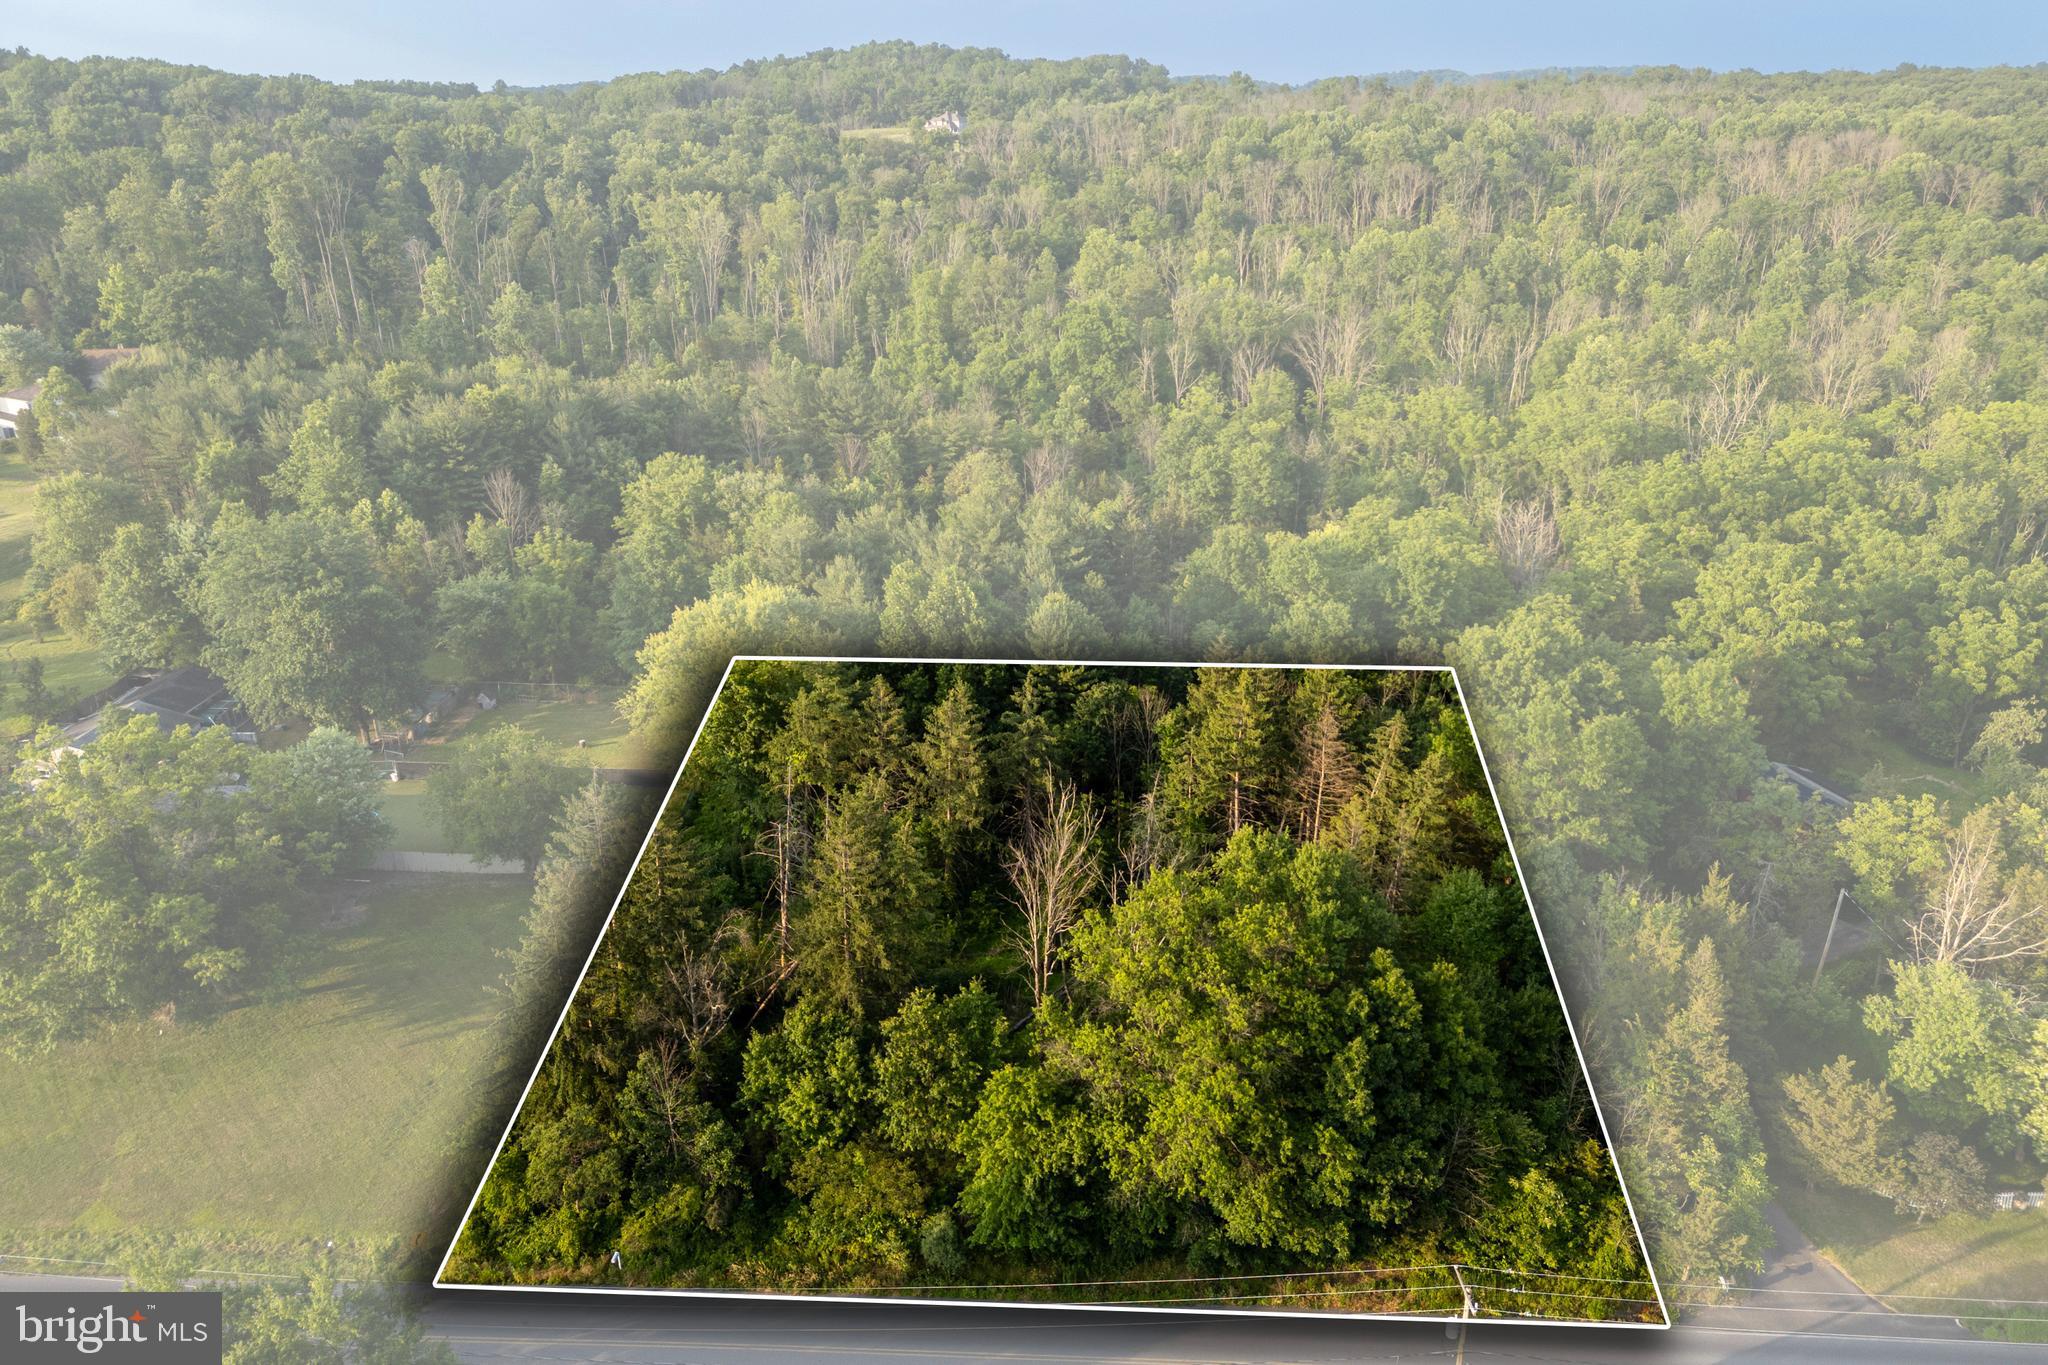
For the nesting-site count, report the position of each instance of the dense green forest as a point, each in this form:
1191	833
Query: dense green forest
1214	985
1701	420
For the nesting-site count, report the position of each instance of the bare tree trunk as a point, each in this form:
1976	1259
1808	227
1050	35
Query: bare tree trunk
1052	868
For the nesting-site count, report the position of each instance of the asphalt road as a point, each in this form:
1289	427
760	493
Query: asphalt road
1801	1310
495	1327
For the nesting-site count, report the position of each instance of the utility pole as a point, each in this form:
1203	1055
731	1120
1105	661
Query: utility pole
1841	895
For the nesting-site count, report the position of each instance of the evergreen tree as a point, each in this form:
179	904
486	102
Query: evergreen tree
36	700
1843	1130
1227	751
839	941
952	775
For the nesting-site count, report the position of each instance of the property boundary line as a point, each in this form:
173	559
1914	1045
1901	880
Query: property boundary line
1642	1245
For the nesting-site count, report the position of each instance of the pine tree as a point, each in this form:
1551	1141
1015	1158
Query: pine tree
1842	1129
1366	823
1697	1147
818	734
838	940
1326	772
35	694
952	775
884	740
581	870
1229	754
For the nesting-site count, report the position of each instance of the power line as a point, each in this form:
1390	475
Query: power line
1931	1298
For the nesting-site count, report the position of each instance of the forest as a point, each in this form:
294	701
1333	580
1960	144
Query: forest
1699	419
1213	986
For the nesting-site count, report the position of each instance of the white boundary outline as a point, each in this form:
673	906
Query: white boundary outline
1642	1244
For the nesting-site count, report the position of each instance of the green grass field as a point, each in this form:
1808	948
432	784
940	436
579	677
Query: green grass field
71	668
340	1108
1996	1256
413	829
593	719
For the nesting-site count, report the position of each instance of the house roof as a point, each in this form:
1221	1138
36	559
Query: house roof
182	689
98	360
183	696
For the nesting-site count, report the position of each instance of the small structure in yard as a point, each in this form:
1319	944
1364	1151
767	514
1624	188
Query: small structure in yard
948	122
432	712
1809	787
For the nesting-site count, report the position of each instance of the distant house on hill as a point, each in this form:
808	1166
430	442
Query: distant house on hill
190	697
948	122
15	403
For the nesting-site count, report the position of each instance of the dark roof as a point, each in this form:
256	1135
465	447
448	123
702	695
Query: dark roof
183	696
188	690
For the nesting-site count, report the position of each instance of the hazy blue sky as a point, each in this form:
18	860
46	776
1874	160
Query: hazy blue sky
534	42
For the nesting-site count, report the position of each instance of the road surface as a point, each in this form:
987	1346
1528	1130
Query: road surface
505	1329
1802	1310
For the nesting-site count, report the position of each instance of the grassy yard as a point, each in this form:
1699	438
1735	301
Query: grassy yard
592	717
71	668
413	830
1863	738
339	1108
1996	1256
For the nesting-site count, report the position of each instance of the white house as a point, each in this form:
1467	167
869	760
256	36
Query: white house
15	402
948	122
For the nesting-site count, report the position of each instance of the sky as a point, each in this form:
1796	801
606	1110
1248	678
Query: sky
531	42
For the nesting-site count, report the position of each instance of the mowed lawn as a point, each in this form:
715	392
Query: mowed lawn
342	1108
71	667
591	717
1995	1256
413	827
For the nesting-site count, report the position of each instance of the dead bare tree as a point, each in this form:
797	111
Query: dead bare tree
1144	846
512	505
1974	916
670	1094
1052	871
1729	408
784	844
1525	535
1329	772
1330	346
696	1006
